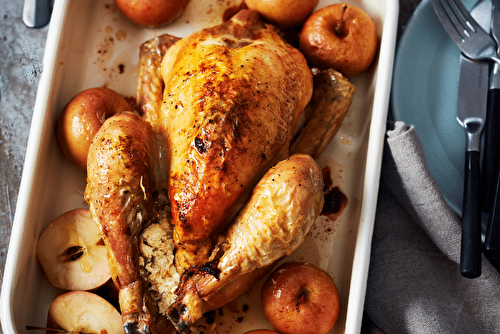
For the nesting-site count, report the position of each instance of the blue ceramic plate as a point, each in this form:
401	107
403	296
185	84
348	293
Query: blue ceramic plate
424	94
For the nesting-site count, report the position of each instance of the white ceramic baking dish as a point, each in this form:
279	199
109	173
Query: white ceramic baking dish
90	44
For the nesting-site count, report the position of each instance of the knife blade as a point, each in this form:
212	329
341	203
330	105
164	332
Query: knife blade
491	164
471	114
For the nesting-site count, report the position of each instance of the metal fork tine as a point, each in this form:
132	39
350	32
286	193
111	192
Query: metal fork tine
471	22
449	21
471	39
457	17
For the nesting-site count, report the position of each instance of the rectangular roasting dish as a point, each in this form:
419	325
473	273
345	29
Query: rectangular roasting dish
89	45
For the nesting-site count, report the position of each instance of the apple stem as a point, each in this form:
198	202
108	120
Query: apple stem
339	29
301	299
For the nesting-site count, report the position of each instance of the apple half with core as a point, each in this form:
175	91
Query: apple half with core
84	312
72	253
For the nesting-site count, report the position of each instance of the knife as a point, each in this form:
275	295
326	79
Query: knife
36	13
491	133
471	114
491	175
470	262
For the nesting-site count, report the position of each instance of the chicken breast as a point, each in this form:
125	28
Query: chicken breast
233	94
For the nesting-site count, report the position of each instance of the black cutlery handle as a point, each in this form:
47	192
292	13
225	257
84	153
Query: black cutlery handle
492	240
470	256
491	146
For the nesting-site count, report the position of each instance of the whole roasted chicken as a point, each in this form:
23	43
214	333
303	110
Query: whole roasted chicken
211	165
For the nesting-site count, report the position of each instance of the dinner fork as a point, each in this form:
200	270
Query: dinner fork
475	44
470	38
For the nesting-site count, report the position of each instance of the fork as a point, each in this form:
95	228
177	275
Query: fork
470	38
475	44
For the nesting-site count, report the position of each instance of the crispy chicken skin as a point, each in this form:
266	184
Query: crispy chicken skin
233	94
292	195
119	192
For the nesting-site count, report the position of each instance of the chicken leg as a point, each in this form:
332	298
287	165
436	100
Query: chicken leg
119	191
284	205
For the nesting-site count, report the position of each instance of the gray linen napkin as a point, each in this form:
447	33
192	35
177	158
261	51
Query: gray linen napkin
414	282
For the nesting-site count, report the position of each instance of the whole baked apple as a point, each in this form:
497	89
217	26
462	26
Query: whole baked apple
152	13
300	298
82	117
283	13
340	36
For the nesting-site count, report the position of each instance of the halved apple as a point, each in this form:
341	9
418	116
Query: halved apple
72	252
84	312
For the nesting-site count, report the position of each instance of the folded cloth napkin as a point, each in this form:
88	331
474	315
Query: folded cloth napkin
414	282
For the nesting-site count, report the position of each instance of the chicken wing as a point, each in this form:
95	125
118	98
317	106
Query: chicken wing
150	83
332	97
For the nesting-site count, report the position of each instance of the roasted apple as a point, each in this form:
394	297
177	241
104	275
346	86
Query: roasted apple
340	36
84	312
283	13
151	13
72	252
300	298
82	117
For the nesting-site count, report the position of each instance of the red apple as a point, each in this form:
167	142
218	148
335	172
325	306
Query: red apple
283	13
82	117
300	298
151	13
340	36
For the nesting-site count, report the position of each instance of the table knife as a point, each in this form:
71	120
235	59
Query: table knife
36	13
491	164
471	114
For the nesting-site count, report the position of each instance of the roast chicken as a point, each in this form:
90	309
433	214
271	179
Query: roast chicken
210	163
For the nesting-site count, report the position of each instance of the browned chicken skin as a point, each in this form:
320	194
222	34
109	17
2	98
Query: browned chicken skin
219	109
119	191
232	96
284	205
